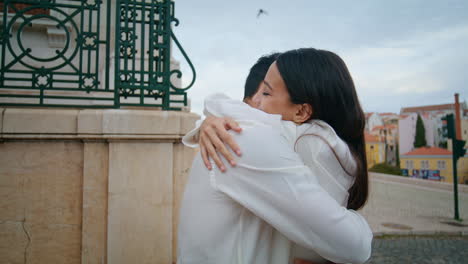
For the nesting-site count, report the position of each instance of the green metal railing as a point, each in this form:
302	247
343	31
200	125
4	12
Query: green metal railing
77	72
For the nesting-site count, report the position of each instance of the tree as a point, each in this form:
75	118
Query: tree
397	156
420	138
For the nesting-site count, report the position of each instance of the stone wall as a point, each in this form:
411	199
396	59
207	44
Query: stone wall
91	186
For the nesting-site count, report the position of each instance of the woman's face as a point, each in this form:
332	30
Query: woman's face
273	97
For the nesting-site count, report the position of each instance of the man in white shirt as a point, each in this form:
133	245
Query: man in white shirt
231	217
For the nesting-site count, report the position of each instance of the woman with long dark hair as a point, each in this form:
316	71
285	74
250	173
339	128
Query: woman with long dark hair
321	79
309	105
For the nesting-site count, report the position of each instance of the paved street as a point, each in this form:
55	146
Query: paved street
395	207
435	249
397	210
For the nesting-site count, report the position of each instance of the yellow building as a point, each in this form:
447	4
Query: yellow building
375	150
463	169
430	160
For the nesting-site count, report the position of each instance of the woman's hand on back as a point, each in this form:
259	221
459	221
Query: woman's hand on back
214	138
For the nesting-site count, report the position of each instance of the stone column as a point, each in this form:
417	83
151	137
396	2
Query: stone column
95	197
91	186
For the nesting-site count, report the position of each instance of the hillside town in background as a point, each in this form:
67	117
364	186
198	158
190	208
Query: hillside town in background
396	144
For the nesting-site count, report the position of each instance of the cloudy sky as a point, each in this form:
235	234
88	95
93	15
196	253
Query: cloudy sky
400	52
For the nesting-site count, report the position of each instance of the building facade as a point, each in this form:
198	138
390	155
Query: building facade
373	120
388	133
407	131
433	163
375	150
432	118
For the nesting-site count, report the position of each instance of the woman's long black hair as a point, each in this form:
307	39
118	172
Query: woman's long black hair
321	79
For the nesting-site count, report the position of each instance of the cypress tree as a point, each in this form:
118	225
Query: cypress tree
420	138
398	155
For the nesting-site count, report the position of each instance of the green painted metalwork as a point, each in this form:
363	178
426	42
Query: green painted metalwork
77	72
143	70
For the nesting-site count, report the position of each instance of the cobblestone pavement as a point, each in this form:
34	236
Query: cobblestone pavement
420	249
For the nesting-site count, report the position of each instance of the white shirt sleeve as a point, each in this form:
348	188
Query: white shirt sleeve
220	105
272	182
214	106
191	138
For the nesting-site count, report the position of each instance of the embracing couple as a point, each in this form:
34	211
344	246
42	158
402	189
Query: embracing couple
297	169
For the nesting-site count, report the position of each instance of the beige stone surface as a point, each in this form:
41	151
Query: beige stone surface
12	202
121	121
53	186
41	184
18	120
90	121
187	122
183	157
103	122
54	243
95	187
91	186
1	120
42	179
140	203
147	122
13	242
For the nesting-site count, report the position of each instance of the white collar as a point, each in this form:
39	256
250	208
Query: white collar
220	105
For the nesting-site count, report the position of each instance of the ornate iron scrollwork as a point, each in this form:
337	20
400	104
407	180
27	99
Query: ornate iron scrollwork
72	53
146	60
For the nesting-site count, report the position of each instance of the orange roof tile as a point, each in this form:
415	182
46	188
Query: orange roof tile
386	114
427	108
427	151
386	127
371	138
378	128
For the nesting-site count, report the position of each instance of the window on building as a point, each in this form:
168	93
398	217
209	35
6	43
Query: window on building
424	165
409	165
441	164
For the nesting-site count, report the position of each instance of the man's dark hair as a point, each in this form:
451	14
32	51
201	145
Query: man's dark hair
257	74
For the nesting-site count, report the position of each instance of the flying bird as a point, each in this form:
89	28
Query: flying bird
260	12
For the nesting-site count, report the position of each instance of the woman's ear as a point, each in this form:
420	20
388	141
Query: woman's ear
303	113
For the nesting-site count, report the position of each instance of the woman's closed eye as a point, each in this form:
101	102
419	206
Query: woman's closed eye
266	88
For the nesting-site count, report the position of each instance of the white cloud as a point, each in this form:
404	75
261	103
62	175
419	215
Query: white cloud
217	76
398	52
413	66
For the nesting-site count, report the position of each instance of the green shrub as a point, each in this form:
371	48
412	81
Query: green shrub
386	168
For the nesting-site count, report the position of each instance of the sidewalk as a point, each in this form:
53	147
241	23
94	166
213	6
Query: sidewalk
405	206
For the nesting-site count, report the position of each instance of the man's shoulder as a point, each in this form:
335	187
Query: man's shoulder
221	105
263	145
